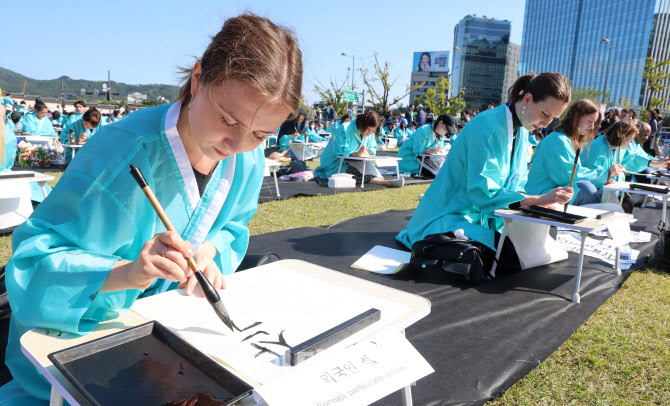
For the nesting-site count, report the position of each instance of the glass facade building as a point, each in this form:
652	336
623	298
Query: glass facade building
566	36
480	59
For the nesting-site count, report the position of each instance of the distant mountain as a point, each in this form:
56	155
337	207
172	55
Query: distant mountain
13	82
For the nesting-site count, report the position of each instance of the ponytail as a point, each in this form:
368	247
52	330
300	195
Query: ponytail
541	86
517	90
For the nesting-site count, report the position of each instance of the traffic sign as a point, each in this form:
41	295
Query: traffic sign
350	97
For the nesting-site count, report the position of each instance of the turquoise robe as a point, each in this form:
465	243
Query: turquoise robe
33	126
401	134
60	121
532	140
313	136
77	127
599	155
475	180
333	127
552	167
10	150
422	139
635	159
7	102
98	215
372	143
344	142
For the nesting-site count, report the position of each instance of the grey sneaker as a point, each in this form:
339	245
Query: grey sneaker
400	182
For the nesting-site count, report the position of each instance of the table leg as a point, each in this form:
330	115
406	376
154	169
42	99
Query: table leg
407	390
56	398
339	169
644	202
421	167
617	264
73	151
665	205
274	173
575	295
44	189
397	170
363	177
500	245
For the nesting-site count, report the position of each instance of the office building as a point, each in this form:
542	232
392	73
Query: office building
481	66
590	41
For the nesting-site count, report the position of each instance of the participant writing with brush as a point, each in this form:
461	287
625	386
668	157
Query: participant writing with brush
96	244
554	158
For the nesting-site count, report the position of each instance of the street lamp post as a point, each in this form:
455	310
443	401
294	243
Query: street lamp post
607	69
352	68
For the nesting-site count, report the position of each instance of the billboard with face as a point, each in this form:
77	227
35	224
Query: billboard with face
431	61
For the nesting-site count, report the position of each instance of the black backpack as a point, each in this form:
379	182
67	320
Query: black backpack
443	253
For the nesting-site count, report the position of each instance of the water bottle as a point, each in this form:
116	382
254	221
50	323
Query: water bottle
624	257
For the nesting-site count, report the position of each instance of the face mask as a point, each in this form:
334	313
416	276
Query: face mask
442	131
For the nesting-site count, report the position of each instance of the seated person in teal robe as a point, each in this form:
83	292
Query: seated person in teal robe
486	170
37	122
554	157
96	245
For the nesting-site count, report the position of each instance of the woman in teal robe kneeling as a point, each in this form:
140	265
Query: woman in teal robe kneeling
96	245
486	169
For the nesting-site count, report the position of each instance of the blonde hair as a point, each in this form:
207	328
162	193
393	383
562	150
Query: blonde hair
256	51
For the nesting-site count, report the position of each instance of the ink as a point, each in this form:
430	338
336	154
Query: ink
281	341
246	328
263	350
258	332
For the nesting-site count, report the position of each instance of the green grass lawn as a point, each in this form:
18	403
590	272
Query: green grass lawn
620	356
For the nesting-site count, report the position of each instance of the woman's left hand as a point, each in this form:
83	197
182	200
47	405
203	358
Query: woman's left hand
204	257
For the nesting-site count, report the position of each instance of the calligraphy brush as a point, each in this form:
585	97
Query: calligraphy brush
572	178
210	293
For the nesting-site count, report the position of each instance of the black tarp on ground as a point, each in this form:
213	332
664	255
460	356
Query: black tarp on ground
480	340
288	189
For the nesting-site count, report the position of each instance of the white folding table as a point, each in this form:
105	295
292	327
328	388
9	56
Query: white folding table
378	160
38	343
584	227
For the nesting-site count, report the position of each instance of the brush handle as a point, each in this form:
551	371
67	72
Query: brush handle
207	288
572	178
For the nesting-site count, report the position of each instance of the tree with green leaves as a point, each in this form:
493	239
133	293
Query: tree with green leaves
657	77
437	100
334	94
380	73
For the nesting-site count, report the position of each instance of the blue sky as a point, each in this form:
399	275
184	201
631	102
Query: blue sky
144	41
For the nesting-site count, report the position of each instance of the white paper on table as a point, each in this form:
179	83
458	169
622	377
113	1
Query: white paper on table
619	230
533	244
382	260
298	312
604	250
357	375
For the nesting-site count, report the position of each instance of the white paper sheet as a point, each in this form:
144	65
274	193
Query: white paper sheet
382	260
604	250
357	375
619	230
294	305
534	246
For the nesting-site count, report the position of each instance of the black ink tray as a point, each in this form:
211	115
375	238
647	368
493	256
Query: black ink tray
146	365
539	211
